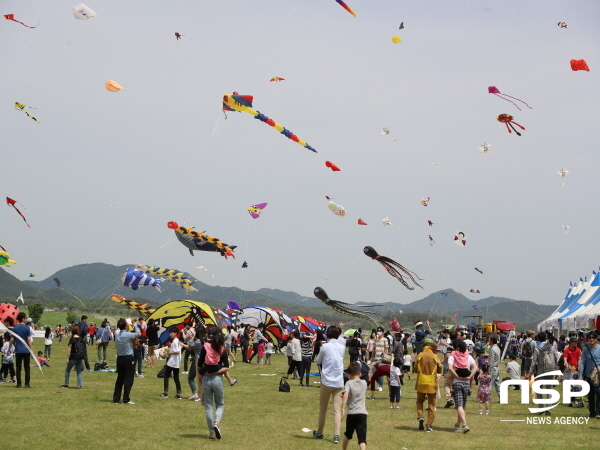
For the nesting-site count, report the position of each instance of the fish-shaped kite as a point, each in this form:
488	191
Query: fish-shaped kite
256	210
346	7
112	86
21	107
562	24
460	238
236	102
136	276
12	17
82	12
198	241
142	308
11	202
277	79
478	270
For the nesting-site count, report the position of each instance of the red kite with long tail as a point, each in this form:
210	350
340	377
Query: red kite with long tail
11	202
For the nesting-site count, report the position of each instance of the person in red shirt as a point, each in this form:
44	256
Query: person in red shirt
571	355
91	331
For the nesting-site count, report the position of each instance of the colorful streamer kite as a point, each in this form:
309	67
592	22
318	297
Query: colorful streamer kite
141	308
174	275
12	17
243	103
342	307
346	7
11	202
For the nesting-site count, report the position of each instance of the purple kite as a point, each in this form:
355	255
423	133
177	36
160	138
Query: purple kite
494	90
256	210
233	305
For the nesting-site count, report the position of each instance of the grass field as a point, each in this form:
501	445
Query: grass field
256	416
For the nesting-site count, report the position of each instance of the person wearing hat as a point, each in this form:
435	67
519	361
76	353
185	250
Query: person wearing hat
258	336
428	367
571	356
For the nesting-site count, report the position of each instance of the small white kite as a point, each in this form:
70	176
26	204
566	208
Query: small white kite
387	221
82	12
386	131
484	148
563	173
460	238
566	228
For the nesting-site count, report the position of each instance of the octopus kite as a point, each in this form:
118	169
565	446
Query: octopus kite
507	120
390	265
342	307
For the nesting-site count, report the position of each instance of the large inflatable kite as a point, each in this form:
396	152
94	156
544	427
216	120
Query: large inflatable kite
236	102
5	259
198	241
343	308
392	267
136	276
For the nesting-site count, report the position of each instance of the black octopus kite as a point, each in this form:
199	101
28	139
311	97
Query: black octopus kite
342	307
390	265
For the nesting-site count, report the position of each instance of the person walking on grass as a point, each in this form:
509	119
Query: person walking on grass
83	332
395	383
22	355
494	362
461	382
102	339
173	363
258	336
8	360
48	342
354	399
306	343
484	393
331	359
295	348
427	369
212	380
74	357
125	362
590	359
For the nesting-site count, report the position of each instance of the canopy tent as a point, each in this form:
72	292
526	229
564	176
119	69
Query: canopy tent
580	307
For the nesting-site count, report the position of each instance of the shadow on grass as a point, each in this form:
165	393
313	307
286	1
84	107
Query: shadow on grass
416	428
193	436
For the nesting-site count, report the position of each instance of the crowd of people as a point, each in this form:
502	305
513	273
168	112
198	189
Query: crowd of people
447	364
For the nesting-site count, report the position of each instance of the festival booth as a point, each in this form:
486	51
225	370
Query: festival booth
579	310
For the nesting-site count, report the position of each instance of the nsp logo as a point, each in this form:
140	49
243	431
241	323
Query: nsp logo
538	388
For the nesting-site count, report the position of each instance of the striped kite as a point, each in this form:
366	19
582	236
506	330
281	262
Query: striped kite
174	275
198	241
346	7
143	309
21	107
239	103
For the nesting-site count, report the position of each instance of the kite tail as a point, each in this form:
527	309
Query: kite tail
518	100
515	130
389	266
70	293
509	100
287	133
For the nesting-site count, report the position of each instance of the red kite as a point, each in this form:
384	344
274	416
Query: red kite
579	64
362	222
12	17
332	166
11	202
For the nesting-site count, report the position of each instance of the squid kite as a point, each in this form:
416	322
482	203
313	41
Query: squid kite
346	7
21	107
343	308
425	201
11	202
338	210
256	210
507	120
198	241
141	308
484	148
332	166
12	17
82	12
5	259
361	222
460	238
494	90
243	103
579	64
390	265
563	173
277	79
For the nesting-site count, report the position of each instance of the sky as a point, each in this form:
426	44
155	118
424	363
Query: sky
161	149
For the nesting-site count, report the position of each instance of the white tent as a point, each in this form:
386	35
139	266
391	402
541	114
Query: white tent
580	307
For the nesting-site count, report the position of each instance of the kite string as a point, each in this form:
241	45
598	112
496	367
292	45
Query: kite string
442	280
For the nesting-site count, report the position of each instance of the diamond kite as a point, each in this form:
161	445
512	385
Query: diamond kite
494	90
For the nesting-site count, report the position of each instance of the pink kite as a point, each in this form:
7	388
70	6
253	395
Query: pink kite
494	90
12	17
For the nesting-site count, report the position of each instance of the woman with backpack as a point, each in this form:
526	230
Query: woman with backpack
75	356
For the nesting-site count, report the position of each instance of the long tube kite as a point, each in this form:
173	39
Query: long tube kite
11	202
342	307
141	308
239	103
346	7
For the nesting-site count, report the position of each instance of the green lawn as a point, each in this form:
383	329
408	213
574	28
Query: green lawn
256	416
